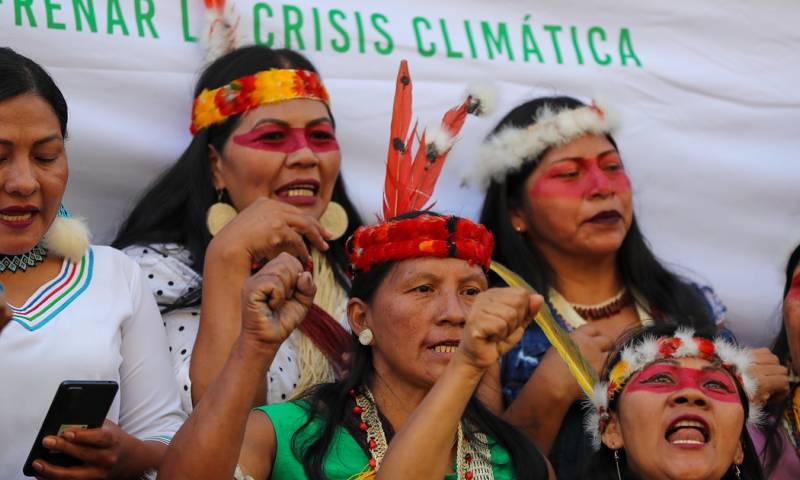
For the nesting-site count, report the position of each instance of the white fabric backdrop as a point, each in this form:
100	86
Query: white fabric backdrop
708	90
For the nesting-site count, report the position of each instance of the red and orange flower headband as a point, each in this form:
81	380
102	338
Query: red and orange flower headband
246	93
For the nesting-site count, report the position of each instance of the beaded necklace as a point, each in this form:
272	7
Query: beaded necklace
473	462
13	263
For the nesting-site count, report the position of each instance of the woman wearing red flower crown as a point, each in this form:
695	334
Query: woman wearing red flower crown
427	330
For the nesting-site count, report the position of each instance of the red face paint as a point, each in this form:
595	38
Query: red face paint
276	138
665	379
581	177
794	289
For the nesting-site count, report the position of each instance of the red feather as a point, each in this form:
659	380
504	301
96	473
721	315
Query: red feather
425	171
218	4
399	157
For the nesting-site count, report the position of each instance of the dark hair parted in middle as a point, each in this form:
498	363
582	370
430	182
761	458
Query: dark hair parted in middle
329	402
669	296
173	209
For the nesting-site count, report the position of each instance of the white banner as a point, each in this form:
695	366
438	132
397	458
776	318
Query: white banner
708	90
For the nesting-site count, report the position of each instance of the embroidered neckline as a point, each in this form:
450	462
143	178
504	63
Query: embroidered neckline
54	296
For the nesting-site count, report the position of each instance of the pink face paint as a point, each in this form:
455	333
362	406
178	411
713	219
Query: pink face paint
664	378
578	178
794	289
276	138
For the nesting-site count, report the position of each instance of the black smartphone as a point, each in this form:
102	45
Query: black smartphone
77	404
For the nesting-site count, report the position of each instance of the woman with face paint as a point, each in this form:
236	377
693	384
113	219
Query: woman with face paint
264	158
76	311
778	440
673	404
560	205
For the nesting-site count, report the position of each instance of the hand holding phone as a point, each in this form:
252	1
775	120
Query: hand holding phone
75	435
101	451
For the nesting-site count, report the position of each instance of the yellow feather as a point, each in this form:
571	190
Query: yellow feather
559	338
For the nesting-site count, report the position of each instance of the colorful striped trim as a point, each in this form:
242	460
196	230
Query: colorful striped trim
55	297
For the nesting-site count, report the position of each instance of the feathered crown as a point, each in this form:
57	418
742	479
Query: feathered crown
410	179
639	354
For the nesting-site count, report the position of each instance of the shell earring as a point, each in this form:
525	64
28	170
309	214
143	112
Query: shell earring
219	215
365	337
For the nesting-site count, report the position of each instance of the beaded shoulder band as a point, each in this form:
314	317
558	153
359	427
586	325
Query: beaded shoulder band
426	235
511	148
638	355
248	92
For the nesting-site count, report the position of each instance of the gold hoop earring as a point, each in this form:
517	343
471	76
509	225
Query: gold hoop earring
219	214
335	220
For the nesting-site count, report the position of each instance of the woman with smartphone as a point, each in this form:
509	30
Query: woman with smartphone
78	311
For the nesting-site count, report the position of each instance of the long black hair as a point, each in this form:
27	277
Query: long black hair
602	466
328	402
669	296
774	443
19	75
173	209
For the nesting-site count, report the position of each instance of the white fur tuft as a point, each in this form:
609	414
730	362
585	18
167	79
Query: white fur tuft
222	33
485	96
509	149
438	139
598	407
68	238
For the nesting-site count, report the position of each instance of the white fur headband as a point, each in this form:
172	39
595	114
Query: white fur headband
635	357
509	149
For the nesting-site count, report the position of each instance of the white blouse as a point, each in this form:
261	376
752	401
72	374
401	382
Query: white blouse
167	269
96	320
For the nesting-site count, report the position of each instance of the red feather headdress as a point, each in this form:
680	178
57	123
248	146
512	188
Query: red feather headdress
410	180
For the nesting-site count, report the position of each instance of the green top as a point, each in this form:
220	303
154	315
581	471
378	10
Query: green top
345	458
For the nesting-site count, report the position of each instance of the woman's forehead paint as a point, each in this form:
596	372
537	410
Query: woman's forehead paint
289	140
589	176
673	378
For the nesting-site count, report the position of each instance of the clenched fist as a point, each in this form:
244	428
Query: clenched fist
275	300
496	322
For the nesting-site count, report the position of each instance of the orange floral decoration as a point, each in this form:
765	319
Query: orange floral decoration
246	93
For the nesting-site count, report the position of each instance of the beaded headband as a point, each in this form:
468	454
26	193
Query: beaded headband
426	235
636	356
248	92
511	148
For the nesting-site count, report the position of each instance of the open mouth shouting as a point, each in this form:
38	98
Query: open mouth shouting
688	431
300	192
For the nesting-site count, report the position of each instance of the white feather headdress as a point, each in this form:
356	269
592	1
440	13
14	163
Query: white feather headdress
511	148
636	356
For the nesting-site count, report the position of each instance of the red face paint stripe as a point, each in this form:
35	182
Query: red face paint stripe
794	289
666	379
580	177
274	138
